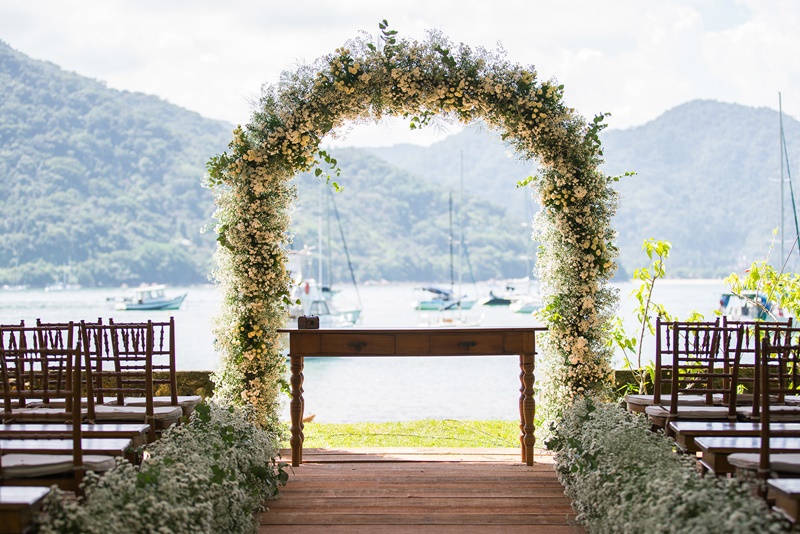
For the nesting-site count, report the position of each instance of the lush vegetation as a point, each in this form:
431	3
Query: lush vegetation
210	475
397	227
622	477
707	179
425	433
100	186
103	187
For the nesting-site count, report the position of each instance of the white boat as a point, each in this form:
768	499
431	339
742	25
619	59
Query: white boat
319	301
754	306
150	298
315	297
528	304
443	300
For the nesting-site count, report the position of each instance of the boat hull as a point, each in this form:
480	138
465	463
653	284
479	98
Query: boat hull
166	304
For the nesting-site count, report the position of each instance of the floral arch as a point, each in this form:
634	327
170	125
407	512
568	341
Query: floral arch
365	81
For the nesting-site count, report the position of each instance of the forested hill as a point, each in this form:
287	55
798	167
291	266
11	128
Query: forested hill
104	183
106	186
708	180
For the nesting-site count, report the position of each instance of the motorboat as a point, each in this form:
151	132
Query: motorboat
150	298
750	306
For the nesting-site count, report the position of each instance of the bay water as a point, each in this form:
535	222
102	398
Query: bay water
366	389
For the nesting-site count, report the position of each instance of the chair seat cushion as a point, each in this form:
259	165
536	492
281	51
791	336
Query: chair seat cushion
784	462
38	465
690	412
186	402
27	415
136	413
780	412
683	400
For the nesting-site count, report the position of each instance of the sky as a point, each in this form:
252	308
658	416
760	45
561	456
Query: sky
634	59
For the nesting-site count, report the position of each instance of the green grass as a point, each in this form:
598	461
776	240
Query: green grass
424	433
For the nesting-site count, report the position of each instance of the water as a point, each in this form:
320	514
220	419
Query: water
365	389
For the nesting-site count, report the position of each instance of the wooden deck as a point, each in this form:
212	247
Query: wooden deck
421	490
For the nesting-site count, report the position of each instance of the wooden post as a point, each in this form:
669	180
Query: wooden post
296	409
527	402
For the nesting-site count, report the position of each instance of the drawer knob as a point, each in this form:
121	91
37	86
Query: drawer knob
466	345
357	345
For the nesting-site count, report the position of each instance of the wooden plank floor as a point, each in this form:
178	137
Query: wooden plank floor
421	490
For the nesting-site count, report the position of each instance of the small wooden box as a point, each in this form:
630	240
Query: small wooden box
308	322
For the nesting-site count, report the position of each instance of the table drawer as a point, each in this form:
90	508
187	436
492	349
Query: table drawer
478	343
346	344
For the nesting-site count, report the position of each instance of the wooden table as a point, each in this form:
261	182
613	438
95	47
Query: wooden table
377	342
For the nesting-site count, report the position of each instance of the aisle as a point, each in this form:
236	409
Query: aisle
421	490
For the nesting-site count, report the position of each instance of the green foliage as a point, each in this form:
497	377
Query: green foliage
622	477
102	187
646	310
210	475
779	287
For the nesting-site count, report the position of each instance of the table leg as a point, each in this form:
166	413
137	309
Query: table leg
296	409
527	404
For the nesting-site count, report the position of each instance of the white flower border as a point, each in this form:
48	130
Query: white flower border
364	82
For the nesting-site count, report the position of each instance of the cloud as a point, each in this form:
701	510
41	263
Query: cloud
631	58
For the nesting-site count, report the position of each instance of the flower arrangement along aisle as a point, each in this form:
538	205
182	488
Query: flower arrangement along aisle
365	81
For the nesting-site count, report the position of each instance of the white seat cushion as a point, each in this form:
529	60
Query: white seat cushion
37	465
136	413
779	412
683	400
690	412
187	402
784	462
41	414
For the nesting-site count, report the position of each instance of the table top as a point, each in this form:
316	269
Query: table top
414	330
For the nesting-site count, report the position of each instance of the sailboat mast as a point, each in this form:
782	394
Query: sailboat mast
460	225
780	139
452	277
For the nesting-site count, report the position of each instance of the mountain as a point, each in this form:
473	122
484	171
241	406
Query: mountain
105	186
708	180
104	183
397	226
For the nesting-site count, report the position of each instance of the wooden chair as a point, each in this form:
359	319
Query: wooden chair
705	362
663	369
782	386
119	359
779	374
165	371
37	375
57	372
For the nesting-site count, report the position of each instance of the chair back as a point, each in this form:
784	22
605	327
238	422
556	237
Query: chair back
779	359
38	363
705	362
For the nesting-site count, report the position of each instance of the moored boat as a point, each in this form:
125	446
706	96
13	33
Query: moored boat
150	298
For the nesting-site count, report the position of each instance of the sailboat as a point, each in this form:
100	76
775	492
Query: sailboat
453	302
316	297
